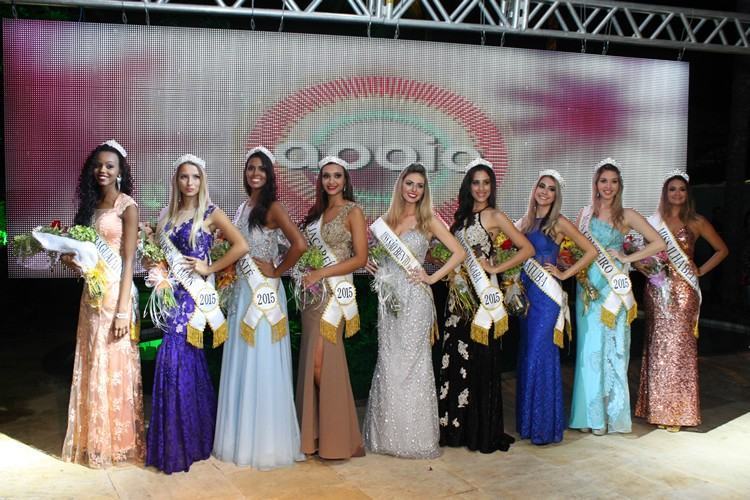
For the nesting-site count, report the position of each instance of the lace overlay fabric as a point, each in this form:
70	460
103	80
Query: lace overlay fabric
105	413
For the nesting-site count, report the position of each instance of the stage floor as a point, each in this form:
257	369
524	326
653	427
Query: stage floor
711	461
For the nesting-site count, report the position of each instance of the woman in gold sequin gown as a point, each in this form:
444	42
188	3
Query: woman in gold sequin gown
668	394
105	414
325	404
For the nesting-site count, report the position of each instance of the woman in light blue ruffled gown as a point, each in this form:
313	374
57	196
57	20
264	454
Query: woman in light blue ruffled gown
601	401
540	413
256	423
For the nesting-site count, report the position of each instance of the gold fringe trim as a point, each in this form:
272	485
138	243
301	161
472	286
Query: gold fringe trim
632	313
479	334
221	335
434	332
135	331
328	331
559	338
248	333
279	330
352	326
194	336
608	318
569	329
501	326
695	330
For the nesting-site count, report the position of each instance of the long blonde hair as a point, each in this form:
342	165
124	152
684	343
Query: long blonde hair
175	196
550	220
424	205
687	212
618	212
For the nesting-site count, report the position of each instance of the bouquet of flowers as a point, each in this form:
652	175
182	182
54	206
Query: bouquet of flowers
515	295
569	254
77	240
655	268
226	277
382	282
153	259
311	260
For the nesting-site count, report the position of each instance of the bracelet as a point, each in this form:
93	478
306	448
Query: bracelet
121	315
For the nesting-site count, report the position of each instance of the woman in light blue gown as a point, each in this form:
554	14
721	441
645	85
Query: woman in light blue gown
256	423
601	401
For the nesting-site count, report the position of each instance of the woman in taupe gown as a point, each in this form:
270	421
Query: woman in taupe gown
325	404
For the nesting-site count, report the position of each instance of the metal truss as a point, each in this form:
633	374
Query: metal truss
604	21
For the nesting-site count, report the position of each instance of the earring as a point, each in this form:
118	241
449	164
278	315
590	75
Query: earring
598	194
119	181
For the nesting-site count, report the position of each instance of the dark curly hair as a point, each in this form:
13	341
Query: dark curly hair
89	192
259	213
466	200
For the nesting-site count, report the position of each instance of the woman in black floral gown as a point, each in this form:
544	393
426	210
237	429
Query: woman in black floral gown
469	396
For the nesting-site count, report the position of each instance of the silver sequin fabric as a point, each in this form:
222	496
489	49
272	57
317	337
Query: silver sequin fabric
401	418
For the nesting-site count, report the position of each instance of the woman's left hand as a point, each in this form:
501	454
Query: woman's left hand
619	255
121	327
197	265
266	267
554	271
419	275
312	277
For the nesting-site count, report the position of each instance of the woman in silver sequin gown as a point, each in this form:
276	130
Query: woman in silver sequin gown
401	417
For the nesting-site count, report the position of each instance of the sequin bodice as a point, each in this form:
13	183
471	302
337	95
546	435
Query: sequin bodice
263	242
686	240
336	234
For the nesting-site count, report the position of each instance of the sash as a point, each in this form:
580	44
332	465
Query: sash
491	309
343	301
265	298
400	253
203	293
621	289
679	261
552	289
113	263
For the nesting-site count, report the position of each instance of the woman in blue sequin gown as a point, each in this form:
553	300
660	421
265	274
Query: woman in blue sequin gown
601	400
181	429
540	412
256	422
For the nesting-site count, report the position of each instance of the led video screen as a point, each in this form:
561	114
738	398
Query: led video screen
378	103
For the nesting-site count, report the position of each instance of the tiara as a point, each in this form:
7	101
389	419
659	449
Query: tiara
607	161
261	150
551	172
188	158
333	159
476	162
677	173
115	145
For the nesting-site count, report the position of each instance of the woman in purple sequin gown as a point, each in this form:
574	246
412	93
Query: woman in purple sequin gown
183	415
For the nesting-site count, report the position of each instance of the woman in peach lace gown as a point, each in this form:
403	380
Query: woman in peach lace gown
105	414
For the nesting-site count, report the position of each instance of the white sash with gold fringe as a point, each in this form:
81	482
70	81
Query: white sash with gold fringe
203	293
343	302
552	289
401	254
621	289
679	261
491	309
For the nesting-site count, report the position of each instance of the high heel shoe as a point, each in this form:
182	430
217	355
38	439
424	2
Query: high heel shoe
673	428
599	432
